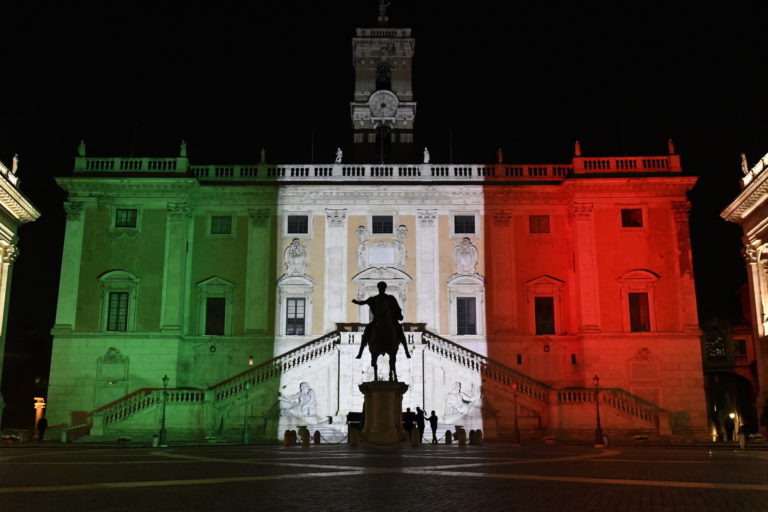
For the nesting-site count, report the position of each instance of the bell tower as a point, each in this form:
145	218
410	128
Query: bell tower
383	110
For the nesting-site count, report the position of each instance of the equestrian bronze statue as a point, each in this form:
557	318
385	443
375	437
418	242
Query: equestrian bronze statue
383	334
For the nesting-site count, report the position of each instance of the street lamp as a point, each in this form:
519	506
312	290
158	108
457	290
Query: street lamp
516	432
163	441
245	415
599	429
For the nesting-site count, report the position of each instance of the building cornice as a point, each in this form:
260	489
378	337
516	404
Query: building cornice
16	204
753	195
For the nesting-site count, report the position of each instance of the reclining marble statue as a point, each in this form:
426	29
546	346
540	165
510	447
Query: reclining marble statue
383	334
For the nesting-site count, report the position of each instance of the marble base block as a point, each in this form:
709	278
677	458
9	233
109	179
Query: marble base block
383	412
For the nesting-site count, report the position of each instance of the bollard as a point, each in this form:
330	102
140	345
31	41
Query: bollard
291	438
415	437
479	436
316	437
461	435
448	437
472	437
305	437
353	436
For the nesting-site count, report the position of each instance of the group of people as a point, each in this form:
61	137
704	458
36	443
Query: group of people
411	418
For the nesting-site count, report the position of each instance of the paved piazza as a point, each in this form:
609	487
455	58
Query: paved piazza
429	478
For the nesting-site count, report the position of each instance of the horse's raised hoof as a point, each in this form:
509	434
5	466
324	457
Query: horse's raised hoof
359	356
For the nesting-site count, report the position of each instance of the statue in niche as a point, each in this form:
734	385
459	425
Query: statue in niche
457	402
362	251
465	257
303	403
296	258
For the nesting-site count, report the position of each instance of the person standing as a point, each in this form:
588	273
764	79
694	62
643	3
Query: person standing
408	418
433	426
420	423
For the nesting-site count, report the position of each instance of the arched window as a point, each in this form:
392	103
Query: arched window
383	76
118	301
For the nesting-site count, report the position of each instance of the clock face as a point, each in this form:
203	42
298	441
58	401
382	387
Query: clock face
383	104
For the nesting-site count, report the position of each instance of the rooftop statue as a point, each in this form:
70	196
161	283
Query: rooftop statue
384	334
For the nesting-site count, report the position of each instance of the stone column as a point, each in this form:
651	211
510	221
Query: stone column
9	255
174	267
427	257
258	280
335	271
689	319
70	268
585	257
756	279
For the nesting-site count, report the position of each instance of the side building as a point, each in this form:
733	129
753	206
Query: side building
15	210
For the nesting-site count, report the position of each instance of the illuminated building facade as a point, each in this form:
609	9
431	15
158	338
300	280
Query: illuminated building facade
519	284
750	211
15	210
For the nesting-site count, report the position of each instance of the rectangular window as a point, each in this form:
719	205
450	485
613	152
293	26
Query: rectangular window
298	224
464	224
117	312
359	138
466	321
126	217
294	317
382	224
371	138
716	348
740	349
639	314
544	311
631	217
538	223
215	311
221	225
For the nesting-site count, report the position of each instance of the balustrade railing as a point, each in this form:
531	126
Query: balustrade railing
487	367
275	367
615	398
144	398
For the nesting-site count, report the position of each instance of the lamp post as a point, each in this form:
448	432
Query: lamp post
163	440
516	432
245	415
599	428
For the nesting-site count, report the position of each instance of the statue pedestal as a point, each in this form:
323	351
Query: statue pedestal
383	412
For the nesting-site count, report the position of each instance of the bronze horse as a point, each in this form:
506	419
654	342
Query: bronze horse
383	334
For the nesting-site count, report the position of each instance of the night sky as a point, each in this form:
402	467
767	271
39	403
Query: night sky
530	77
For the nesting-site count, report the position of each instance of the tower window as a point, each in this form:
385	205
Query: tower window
740	349
126	217
538	224
381	224
215	315
466	320
544	313
639	314
631	217
294	317
117	314
383	76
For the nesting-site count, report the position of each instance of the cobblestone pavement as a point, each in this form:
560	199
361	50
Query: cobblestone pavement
434	478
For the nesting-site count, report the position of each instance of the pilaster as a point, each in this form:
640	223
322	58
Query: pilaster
174	267
71	257
258	262
335	270
585	259
686	290
427	285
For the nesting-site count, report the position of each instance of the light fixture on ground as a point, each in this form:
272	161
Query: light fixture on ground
599	428
163	441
